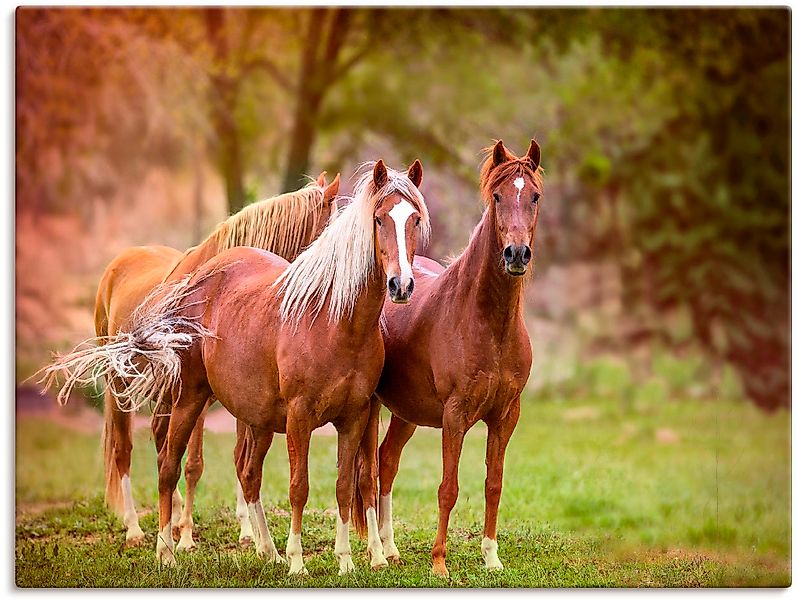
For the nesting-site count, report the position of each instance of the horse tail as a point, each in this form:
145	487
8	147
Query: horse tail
113	482
358	517
146	357
366	469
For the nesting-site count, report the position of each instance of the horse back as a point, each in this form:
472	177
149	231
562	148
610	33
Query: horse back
127	280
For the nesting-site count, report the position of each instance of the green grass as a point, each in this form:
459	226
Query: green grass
592	497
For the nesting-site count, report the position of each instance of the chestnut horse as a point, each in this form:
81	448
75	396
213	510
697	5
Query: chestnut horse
285	348
461	352
284	224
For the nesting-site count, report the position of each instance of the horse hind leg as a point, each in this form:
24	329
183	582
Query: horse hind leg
194	466
242	442
118	448
250	474
171	448
398	434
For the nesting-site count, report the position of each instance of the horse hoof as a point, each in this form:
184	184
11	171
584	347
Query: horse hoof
378	562
495	568
301	571
440	570
346	565
186	546
134	542
167	559
271	557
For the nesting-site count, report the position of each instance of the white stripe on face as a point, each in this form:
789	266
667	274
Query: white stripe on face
520	183
400	213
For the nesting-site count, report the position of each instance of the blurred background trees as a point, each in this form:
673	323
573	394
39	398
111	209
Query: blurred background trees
665	137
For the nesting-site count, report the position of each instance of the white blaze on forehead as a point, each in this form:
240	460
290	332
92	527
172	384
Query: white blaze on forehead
519	183
400	213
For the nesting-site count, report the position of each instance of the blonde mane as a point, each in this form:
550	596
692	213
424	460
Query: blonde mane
277	224
339	262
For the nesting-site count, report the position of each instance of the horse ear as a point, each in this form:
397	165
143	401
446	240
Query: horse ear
332	191
415	173
321	180
534	155
499	153
380	174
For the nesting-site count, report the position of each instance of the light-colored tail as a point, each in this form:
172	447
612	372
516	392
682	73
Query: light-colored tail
113	482
145	359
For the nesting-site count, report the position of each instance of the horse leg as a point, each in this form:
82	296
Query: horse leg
118	449
194	466
160	429
499	431
350	434
367	485
250	475
298	438
398	434
179	426
454	430
246	535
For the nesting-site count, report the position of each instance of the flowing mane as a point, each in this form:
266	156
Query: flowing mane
277	224
339	262
512	167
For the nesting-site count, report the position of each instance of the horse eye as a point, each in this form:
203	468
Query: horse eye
496	197
535	197
417	221
379	221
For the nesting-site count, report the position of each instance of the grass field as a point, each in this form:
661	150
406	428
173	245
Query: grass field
674	493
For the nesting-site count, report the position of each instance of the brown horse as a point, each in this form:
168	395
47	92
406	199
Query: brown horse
287	348
461	352
284	224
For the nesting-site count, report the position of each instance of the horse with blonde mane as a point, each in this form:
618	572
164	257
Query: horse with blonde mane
286	348
461	352
284	224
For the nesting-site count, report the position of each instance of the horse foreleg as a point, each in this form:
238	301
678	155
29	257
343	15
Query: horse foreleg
250	475
194	466
298	438
454	429
398	434
499	431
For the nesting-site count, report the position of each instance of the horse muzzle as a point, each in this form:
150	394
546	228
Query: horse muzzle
400	294
516	259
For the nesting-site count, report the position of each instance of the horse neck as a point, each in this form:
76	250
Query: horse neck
496	295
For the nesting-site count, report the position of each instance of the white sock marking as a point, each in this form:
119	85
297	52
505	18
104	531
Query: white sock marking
386	525
293	550
242	514
374	543
130	516
342	547
400	213
164	549
490	554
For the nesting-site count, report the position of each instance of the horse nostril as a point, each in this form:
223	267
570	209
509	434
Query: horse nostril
526	255
410	287
508	254
393	286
